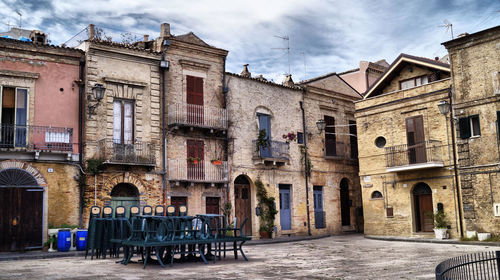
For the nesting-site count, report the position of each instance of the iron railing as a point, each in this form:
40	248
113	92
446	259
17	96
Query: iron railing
197	115
198	171
111	151
337	150
274	150
426	152
319	219
37	138
483	265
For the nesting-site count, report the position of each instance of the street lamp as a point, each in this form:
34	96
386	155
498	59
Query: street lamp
444	107
321	125
98	91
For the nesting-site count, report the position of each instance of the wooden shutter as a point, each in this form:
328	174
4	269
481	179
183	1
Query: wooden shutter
194	86
464	127
117	121
415	139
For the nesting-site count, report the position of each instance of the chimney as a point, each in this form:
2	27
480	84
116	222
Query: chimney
91	31
288	81
146	38
165	30
245	73
436	58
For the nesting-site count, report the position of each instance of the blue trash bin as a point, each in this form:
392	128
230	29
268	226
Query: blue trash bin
81	239
63	240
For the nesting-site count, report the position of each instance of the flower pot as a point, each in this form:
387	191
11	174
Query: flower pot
217	162
195	161
440	233
265	235
482	236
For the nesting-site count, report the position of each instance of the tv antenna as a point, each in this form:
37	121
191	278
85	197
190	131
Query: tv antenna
448	26
287	39
20	17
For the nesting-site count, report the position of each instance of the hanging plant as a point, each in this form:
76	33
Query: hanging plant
262	141
306	163
94	166
291	136
267	208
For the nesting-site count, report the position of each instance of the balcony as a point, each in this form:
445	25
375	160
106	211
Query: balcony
420	156
134	153
276	153
36	138
200	172
189	115
339	151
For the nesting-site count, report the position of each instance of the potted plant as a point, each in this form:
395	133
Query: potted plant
193	160
440	225
216	161
291	136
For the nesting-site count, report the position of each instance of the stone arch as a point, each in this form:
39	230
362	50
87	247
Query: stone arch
263	110
15	164
421	194
129	178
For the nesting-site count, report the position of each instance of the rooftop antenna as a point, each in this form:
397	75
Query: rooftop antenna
287	39
20	17
448	26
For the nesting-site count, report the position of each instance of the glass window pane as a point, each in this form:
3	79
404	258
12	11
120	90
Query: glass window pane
117	121
475	125
128	125
21	105
424	80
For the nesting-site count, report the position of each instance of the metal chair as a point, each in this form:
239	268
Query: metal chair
107	212
171	210
159	210
147	210
95	212
120	212
183	210
134	211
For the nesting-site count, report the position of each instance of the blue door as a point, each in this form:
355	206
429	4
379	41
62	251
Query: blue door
285	213
265	124
319	214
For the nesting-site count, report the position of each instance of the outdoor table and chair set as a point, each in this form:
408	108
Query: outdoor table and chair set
159	236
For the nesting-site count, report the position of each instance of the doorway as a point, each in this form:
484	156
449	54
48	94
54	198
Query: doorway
285	211
178	201
345	203
126	195
422	205
212	205
243	203
21	205
14	112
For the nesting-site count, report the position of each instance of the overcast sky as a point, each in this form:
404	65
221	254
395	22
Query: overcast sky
325	36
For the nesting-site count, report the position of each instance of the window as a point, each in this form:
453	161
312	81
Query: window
14	113
380	142
330	141
123	121
377	195
353	139
194	100
413	82
300	138
469	127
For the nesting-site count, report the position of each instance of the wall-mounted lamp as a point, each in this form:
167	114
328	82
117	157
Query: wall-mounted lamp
321	125
444	107
98	91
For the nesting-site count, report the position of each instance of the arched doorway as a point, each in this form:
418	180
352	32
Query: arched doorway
422	208
126	195
21	208
345	204
243	202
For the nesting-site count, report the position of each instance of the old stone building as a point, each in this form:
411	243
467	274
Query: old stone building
40	148
475	68
197	123
261	112
122	126
405	150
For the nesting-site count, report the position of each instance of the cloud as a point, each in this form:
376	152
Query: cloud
330	36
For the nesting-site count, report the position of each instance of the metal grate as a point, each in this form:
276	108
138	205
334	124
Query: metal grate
16	177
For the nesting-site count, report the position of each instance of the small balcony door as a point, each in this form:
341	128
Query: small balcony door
195	160
194	100
330	139
416	139
14	115
265	124
123	129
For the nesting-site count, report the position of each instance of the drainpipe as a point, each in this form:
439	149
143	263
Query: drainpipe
455	167
226	141
163	131
81	117
305	167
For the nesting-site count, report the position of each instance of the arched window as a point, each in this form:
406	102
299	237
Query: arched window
377	195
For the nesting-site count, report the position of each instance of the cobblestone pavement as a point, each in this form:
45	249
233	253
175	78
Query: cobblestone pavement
336	257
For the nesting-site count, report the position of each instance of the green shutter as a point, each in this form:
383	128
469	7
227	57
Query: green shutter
464	126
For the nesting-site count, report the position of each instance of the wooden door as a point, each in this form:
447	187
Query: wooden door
195	160
212	205
21	218
194	100
243	206
285	209
416	140
425	207
345	207
178	201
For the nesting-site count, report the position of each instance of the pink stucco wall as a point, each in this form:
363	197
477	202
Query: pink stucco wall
52	107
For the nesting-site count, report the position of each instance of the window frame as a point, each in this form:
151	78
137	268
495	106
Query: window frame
471	123
420	78
122	120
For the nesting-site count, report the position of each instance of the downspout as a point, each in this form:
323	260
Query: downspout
163	132
81	116
455	167
305	165
226	140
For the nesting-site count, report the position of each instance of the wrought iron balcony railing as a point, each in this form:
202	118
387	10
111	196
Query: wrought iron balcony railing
197	115
274	150
36	138
198	171
111	151
425	154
